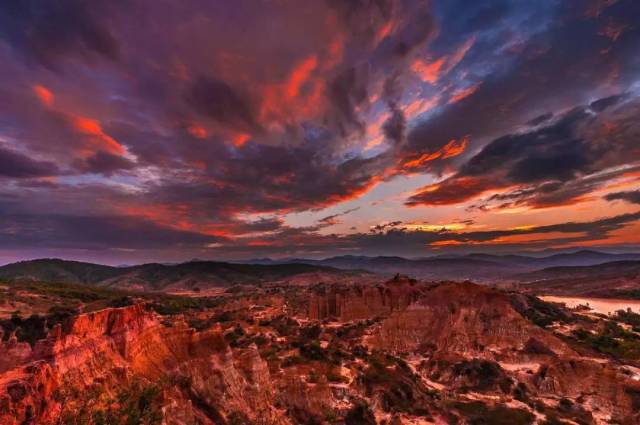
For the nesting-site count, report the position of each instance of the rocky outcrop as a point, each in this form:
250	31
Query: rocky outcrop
26	394
354	302
598	384
12	352
109	348
461	318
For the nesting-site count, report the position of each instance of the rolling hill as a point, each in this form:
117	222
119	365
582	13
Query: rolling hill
619	279
486	268
154	276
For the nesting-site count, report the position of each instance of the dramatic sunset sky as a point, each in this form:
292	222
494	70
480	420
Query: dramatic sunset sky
140	130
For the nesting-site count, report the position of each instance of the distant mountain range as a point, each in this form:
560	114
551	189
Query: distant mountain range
476	267
154	276
482	268
617	279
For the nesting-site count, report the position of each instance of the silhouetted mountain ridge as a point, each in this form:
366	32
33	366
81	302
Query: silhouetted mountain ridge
155	276
476	266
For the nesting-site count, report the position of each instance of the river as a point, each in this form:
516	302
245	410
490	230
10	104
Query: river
598	305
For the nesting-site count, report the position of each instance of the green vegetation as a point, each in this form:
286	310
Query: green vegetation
35	327
631	294
95	297
540	312
236	338
482	375
154	276
137	404
478	413
313	351
401	389
564	411
171	304
612	339
629	317
360	414
67	299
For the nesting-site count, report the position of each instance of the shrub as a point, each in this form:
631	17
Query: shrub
360	414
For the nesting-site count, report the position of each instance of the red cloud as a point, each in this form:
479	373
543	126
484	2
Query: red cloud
461	94
428	71
451	191
97	138
197	131
44	95
452	148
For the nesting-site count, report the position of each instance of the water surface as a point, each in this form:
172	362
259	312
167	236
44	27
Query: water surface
598	305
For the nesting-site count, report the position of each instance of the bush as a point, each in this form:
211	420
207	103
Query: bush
478	413
483	375
614	340
360	414
313	351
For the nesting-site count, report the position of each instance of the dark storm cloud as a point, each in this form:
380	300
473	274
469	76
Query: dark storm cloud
540	119
219	101
632	196
104	163
16	165
47	30
346	92
549	165
394	128
415	33
93	232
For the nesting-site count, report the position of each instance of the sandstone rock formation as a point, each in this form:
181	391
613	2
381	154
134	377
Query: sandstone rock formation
362	301
109	348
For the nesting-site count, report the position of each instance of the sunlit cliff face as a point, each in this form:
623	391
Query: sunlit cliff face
133	131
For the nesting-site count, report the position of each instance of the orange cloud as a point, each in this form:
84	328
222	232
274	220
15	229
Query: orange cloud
300	75
240	139
455	148
197	131
97	137
372	143
452	148
299	96
385	30
175	216
451	191
44	95
431	72
356	192
419	106
428	72
461	94
447	243
424	158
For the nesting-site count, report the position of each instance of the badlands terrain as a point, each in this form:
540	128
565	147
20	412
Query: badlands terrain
301	343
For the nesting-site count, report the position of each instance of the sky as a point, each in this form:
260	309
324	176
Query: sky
140	130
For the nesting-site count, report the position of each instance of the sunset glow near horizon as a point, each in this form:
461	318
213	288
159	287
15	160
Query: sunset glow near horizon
141	131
